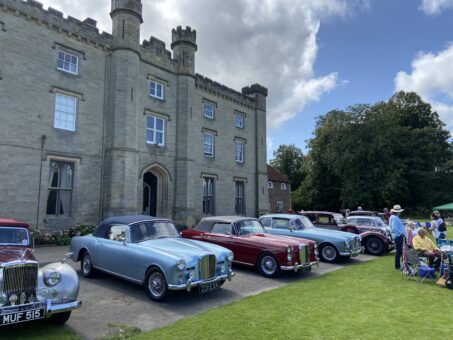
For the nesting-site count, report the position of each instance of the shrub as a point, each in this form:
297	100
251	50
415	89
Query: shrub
61	237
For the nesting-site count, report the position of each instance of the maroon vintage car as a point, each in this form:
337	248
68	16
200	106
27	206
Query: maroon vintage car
376	241
22	296
252	246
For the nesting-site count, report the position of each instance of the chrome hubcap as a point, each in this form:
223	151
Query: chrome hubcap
268	264
374	245
328	253
156	284
86	264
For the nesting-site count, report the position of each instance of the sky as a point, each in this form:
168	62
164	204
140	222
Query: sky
313	55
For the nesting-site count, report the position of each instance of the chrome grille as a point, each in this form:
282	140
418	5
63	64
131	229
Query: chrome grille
20	278
207	267
303	254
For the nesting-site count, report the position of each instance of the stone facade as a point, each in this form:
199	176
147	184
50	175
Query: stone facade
137	128
279	188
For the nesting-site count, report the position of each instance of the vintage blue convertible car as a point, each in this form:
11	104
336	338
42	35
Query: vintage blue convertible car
149	251
331	243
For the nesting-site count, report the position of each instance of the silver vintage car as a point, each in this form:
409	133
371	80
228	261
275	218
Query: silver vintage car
149	251
27	291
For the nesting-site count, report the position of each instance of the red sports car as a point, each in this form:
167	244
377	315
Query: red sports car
252	246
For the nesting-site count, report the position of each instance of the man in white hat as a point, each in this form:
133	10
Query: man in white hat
398	233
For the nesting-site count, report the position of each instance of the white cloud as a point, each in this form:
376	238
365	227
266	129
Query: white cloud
241	42
432	7
432	78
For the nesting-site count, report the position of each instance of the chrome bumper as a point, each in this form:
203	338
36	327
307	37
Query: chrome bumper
302	266
62	307
354	253
190	283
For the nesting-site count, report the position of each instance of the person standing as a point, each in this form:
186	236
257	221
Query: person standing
398	233
438	227
386	215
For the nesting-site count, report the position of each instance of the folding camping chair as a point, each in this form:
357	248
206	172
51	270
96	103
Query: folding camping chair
414	267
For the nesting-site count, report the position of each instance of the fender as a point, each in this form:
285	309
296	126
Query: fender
367	234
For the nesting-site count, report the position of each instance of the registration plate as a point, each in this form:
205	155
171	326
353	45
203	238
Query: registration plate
26	315
208	287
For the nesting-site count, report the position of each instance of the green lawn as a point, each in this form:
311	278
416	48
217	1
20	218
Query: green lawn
365	301
37	330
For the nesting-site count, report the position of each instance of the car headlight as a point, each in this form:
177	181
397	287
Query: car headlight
181	264
42	294
289	253
3	299
346	244
230	257
52	278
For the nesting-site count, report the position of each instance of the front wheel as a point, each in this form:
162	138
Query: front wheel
86	266
60	318
374	246
268	265
328	253
156	285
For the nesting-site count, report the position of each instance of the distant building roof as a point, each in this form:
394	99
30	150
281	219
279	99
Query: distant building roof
274	175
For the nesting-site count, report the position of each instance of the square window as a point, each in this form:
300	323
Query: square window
156	90
208	144
65	112
67	62
155	130
239	120
208	110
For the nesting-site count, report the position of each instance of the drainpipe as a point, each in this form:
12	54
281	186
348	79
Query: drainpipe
43	140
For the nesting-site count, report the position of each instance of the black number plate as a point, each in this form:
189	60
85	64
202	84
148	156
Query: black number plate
208	287
26	315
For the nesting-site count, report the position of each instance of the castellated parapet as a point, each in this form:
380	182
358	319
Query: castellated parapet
33	10
134	6
187	36
157	45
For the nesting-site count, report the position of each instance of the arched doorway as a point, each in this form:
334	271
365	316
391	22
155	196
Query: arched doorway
150	194
155	191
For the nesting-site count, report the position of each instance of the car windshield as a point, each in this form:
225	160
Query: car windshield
249	227
380	222
14	236
302	222
152	230
339	218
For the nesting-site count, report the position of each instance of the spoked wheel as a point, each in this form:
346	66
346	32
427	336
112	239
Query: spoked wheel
328	253
268	266
86	266
156	285
374	246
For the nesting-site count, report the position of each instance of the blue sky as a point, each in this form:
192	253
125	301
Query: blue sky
313	55
368	49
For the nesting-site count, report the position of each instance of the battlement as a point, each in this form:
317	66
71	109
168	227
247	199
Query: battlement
223	91
85	30
180	35
157	45
255	88
134	6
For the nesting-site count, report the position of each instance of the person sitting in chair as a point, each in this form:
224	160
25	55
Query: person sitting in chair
427	248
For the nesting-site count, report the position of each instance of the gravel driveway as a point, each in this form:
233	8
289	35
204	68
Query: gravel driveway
108	301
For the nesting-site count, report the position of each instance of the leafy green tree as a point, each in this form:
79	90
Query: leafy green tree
289	160
378	155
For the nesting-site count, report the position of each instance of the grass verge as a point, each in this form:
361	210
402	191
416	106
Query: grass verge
37	330
365	301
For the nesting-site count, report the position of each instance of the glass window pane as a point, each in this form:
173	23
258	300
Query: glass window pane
150	122
150	136
159	124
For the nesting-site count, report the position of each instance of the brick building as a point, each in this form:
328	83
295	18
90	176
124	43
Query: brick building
279	188
97	124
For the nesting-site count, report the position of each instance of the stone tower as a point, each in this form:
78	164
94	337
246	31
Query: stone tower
259	94
184	47
121	156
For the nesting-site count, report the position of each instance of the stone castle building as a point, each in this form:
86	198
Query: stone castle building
96	124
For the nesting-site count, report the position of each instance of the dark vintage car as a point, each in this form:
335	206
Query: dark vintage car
253	246
150	252
28	292
366	213
376	241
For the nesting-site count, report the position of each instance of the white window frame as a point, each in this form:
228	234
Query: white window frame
208	195
239	122
155	130
270	185
59	121
67	63
239	151
279	205
153	87
208	110
60	187
282	186
206	137
239	198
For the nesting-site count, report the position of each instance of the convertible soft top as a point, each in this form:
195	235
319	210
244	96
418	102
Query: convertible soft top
102	228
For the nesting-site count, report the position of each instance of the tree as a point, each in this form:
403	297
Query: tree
289	160
379	155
